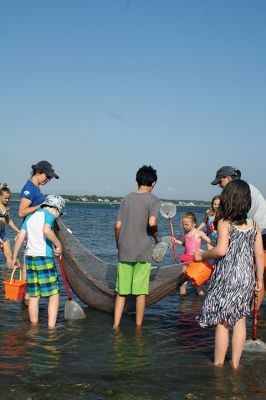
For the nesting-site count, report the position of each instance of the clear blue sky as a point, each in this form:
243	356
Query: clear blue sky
101	87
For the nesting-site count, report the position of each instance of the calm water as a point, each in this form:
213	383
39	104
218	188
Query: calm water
171	358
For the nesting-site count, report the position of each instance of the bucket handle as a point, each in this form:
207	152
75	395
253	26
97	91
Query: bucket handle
12	275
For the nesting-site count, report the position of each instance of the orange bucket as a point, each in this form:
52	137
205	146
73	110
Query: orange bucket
199	272
14	288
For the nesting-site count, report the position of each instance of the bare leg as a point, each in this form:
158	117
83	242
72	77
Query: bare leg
261	293
8	254
183	289
119	308
53	305
221	344
140	308
34	309
238	341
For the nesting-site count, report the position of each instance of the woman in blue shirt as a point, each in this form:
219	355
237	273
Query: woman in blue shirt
31	196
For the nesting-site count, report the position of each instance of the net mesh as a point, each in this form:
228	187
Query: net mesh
160	248
168	210
73	310
255	346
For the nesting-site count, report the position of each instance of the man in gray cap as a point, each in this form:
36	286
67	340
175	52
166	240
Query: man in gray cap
258	204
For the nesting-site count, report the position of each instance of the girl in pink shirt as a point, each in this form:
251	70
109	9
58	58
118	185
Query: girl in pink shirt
192	242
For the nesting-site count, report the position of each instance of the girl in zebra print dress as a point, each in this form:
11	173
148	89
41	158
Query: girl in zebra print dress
229	294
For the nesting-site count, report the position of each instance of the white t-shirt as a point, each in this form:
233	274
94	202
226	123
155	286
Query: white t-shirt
38	244
258	207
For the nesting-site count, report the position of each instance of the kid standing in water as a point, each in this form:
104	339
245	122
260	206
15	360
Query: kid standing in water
209	220
31	196
5	217
136	221
42	277
233	281
192	242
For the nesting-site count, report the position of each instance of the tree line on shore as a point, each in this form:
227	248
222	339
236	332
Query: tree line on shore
117	200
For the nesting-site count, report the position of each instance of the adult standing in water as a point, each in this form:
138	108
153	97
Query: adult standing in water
226	174
31	196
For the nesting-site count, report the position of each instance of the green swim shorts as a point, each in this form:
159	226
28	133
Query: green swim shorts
133	278
42	277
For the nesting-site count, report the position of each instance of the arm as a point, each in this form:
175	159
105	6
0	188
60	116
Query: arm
49	233
118	225
203	236
11	223
259	259
153	225
220	249
181	242
25	208
13	226
19	241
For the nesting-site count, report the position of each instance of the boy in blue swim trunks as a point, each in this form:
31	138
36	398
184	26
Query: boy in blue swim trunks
136	222
42	279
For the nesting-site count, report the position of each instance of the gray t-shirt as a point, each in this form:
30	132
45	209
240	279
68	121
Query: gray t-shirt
134	243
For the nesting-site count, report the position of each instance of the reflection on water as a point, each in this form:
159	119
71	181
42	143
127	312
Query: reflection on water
169	358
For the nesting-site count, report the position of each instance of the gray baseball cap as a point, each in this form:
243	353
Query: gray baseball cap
225	171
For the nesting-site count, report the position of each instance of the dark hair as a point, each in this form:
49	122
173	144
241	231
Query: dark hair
34	170
146	176
235	202
4	189
237	174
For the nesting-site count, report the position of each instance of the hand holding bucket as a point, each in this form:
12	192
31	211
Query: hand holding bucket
198	272
15	288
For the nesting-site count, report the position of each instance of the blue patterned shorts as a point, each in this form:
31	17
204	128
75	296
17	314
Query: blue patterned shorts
3	236
42	278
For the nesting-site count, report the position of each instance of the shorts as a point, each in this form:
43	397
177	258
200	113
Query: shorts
133	278
42	278
3	236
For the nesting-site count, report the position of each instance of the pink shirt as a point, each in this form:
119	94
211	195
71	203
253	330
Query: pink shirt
191	244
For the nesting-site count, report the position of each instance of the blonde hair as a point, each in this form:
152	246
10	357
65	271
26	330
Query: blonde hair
190	215
211	211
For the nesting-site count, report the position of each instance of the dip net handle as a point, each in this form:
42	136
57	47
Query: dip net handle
64	277
173	236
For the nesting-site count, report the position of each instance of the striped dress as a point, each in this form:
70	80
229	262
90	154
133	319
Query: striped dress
232	284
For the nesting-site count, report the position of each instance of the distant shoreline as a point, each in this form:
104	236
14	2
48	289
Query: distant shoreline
118	203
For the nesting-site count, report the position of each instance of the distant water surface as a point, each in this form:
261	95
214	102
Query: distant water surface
170	358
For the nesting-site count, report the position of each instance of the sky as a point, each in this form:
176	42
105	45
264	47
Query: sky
101	87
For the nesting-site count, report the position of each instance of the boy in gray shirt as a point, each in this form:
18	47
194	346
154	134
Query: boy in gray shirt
136	222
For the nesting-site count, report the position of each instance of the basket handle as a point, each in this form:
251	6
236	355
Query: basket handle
12	275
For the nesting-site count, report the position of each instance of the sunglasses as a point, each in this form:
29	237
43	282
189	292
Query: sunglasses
47	176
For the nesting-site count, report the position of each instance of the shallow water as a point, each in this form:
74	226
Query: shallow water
170	358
